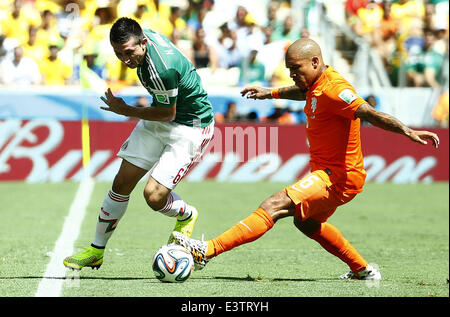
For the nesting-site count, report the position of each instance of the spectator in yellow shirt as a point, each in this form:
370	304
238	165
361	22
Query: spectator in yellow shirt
370	17
48	30
174	21
104	17
408	13
18	20
54	71
33	48
147	15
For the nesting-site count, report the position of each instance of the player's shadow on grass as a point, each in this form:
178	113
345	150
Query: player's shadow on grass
247	278
114	278
72	277
266	279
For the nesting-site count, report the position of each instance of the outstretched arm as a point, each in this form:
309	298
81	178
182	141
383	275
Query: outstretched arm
117	105
387	122
291	92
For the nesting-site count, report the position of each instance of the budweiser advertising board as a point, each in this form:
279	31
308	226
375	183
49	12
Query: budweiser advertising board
50	151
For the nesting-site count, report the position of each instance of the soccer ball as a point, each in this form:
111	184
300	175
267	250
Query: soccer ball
172	263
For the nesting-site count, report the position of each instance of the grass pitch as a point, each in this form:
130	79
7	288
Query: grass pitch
403	229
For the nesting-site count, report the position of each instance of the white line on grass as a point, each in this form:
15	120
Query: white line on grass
54	277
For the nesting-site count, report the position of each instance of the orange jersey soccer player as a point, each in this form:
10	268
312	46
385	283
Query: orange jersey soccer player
333	111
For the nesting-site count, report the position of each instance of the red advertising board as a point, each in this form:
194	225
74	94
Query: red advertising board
50	151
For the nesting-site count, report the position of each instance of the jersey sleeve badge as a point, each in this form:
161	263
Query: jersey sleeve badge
347	95
162	98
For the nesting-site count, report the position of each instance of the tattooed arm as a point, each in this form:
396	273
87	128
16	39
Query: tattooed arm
291	92
387	122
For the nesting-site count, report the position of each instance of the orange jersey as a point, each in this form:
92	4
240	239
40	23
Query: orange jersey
333	132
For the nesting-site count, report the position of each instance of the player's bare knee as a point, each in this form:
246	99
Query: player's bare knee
278	206
121	185
155	200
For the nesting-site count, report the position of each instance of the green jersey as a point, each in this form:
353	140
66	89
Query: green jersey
172	79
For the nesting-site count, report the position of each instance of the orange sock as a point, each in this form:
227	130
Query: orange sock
332	240
247	230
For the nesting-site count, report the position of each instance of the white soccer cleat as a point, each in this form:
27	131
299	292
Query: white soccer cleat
369	273
197	248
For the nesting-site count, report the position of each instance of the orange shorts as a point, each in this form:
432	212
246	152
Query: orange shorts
315	197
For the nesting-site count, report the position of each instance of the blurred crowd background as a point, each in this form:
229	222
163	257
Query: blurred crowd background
231	43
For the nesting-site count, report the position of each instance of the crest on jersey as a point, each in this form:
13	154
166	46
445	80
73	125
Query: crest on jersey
313	104
162	98
347	95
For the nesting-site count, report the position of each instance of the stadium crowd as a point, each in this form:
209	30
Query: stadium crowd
406	33
45	42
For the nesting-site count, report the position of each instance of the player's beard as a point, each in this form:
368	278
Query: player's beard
133	65
135	62
301	84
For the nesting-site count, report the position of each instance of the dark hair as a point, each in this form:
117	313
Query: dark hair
123	29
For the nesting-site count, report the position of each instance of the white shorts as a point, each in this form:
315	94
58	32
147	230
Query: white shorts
167	149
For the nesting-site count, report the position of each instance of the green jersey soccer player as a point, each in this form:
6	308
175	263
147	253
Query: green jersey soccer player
171	136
